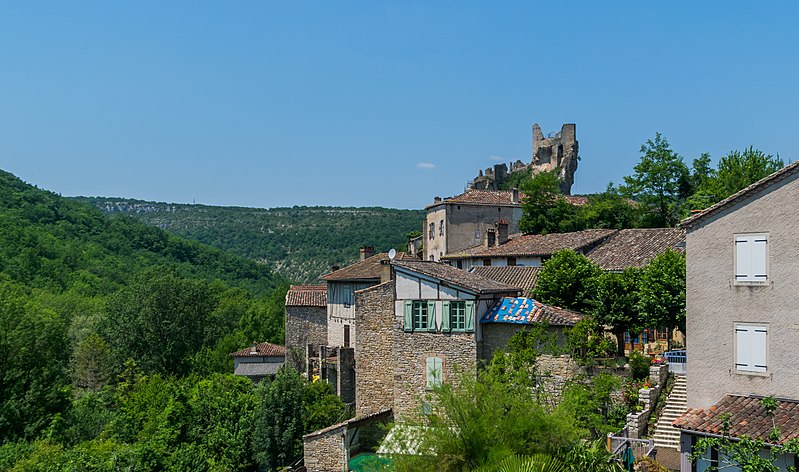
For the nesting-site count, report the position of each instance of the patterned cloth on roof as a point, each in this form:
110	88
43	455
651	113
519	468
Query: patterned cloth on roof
522	310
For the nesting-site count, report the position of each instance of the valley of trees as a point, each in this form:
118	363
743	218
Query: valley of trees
300	243
114	346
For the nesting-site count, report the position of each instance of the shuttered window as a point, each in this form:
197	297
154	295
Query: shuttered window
751	348
751	259
434	372
420	315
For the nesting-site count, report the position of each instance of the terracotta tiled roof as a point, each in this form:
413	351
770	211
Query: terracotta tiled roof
756	187
368	269
636	247
747	417
521	310
455	276
262	349
499	197
537	244
523	277
307	295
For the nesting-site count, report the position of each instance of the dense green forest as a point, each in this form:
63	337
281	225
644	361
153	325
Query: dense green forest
114	345
300	243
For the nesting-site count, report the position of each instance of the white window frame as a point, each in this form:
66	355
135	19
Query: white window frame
751	348
751	256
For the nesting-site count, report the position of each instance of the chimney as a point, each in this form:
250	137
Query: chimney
334	268
491	238
254	349
367	252
502	232
385	271
514	195
436	200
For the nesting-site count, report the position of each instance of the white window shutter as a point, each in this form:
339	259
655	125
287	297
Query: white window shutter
758	257
759	348
751	348
743	259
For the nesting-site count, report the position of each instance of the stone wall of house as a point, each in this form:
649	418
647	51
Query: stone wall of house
304	325
556	372
324	450
374	349
411	350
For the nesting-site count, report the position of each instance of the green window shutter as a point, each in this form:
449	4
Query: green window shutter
408	316
445	317
431	316
470	316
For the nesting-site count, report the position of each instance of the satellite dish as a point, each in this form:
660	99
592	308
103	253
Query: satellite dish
392	253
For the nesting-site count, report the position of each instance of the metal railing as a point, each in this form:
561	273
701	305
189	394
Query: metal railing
676	360
617	445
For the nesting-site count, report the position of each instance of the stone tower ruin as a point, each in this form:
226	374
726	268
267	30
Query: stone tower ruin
556	151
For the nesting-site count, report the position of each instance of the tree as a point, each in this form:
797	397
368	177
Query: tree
160	321
279	422
616	303
567	280
91	363
34	372
610	210
544	208
658	182
662	292
736	171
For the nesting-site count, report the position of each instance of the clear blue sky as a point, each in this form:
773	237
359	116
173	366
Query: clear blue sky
269	103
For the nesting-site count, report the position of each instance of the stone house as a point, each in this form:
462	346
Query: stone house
742	314
306	322
259	361
428	323
636	247
460	222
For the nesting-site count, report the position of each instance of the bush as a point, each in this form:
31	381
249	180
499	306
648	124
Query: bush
639	365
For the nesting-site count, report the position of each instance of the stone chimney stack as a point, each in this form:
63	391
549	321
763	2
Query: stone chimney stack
367	252
502	232
491	238
436	200
385	271
514	198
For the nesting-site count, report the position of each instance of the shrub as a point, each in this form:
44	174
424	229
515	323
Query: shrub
639	365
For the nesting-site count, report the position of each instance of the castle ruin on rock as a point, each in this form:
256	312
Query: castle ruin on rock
557	151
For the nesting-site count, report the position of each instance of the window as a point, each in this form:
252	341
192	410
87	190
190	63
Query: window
434	372
420	315
441	228
431	233
346	295
458	316
511	261
346	335
486	262
751	259
751	348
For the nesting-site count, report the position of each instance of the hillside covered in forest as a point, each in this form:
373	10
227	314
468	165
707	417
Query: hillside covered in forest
300	243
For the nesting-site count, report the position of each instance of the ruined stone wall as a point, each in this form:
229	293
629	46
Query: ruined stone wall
411	350
497	335
304	325
374	349
324	451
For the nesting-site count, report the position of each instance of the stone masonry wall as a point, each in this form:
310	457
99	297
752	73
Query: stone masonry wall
325	452
411	350
304	325
374	353
345	375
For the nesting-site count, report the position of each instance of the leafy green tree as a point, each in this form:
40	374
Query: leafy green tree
34	373
610	210
588	342
567	280
92	364
544	208
736	171
160	321
662	292
658	182
616	303
517	363
279	423
321	407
